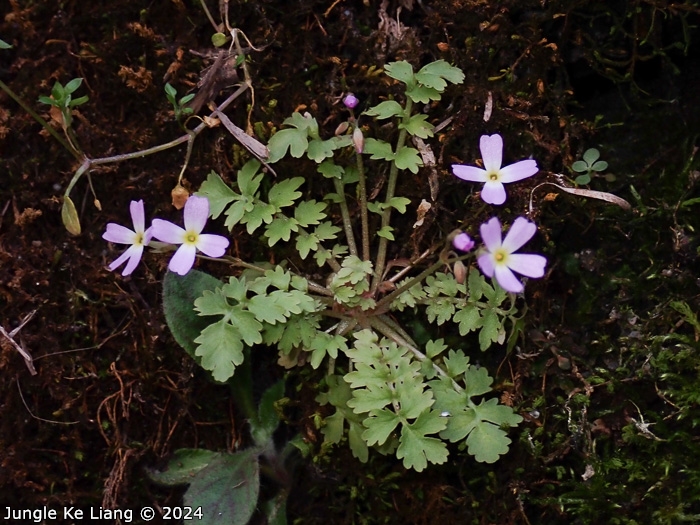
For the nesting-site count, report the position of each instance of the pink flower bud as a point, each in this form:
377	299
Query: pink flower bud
463	242
350	101
358	139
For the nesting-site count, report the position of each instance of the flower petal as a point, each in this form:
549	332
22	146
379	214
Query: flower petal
520	232
119	260
493	192
119	234
527	264
469	173
196	213
138	216
491	234
168	232
485	263
183	260
519	170
212	245
508	280
135	253
491	151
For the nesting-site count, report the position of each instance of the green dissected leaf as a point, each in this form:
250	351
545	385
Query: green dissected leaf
416	448
435	348
227	489
326	344
499	415
487	443
330	170
386	232
220	349
309	213
338	395
260	213
456	363
372	398
408	159
248	178
433	75
4	45
378	149
327	231
419	126
293	140
468	318
386	109
476	283
319	150
299	331
185	464
280	229
267	310
477	381
235	289
379	426
422	94
212	303
490	329
440	310
401	71
217	192
236	211
399	203
376	207
285	193
306	243
179	296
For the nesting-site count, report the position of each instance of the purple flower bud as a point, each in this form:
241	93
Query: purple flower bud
463	242
350	101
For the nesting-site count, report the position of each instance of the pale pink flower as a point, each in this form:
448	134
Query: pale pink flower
500	259
190	237
137	238
493	175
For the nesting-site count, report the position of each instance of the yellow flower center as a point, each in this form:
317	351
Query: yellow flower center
493	176
191	238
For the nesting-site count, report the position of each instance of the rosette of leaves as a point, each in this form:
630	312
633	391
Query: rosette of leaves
588	166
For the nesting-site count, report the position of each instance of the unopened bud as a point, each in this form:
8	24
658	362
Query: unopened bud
358	139
460	272
342	128
179	196
463	242
350	101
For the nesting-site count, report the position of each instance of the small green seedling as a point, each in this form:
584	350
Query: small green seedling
62	98
588	166
179	106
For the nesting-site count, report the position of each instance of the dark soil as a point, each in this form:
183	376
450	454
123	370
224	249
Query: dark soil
114	394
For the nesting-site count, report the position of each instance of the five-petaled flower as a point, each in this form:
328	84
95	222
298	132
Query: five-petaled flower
137	238
493	175
190	237
500	259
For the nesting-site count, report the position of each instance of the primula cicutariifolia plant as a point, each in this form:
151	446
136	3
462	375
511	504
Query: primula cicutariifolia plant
385	391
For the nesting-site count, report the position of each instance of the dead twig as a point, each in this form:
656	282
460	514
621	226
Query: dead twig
29	361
